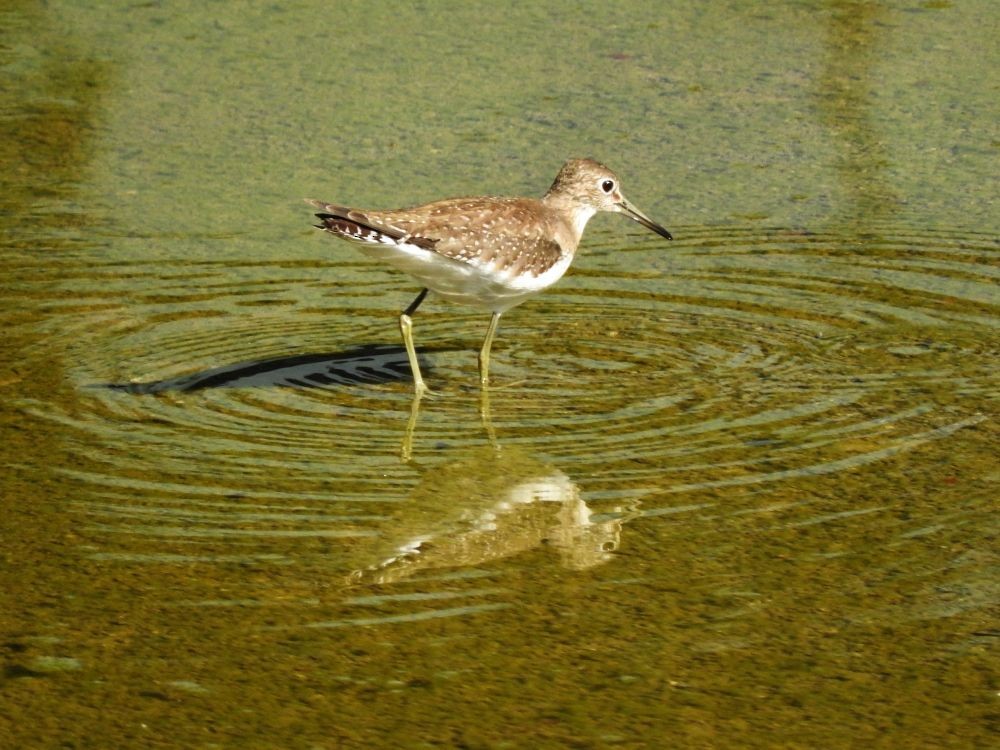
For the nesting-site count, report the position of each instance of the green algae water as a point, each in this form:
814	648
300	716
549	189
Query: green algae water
736	490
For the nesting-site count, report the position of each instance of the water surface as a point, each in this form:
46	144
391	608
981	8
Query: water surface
737	490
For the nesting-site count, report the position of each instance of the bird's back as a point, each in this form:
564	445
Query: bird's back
487	251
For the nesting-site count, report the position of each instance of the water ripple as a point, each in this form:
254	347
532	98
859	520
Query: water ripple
228	410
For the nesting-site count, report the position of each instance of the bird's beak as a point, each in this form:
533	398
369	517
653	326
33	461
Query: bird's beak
635	214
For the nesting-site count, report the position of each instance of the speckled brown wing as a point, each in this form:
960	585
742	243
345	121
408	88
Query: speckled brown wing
508	234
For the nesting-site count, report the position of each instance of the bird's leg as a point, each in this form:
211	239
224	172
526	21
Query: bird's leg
484	353
406	328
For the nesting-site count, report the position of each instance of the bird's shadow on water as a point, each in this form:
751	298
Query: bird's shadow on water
366	364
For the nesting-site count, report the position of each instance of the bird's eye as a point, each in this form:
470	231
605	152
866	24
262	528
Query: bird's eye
608	185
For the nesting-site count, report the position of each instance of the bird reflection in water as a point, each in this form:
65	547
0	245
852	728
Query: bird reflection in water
490	503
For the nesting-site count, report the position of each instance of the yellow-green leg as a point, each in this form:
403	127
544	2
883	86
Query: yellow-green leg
406	328
484	353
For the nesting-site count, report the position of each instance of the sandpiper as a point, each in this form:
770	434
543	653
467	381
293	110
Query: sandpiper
487	252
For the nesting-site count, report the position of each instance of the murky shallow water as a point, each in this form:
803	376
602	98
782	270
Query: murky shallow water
734	490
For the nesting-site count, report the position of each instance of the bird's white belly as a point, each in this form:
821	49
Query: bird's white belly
481	285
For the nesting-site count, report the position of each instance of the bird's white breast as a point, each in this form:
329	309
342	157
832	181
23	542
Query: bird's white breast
467	282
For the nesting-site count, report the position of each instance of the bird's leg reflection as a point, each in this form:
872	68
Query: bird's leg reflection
406	450
487	418
485	415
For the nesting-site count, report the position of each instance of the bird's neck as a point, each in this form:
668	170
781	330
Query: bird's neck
574	214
